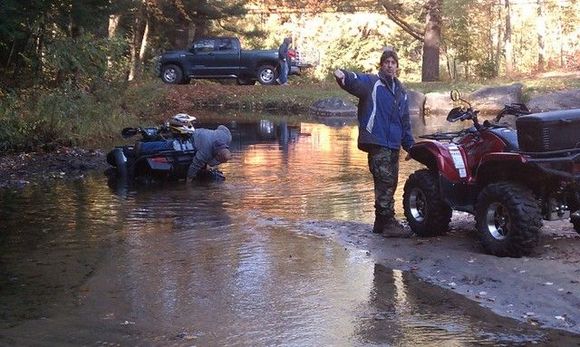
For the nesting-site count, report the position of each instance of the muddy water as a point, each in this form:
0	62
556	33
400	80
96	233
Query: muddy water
92	263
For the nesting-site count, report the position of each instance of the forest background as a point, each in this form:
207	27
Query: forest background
72	70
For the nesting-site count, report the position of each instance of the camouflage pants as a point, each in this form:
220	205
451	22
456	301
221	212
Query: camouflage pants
384	165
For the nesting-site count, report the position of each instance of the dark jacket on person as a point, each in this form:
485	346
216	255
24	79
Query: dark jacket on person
283	50
383	110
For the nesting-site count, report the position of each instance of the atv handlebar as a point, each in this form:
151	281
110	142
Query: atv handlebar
148	133
514	109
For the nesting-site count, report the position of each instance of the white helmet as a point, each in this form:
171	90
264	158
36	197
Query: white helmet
181	123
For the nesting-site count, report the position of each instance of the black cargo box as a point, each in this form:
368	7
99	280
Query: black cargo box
549	131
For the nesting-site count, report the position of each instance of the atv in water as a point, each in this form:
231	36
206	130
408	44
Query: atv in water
158	156
510	179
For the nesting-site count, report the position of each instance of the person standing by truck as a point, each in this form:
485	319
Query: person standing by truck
384	126
284	61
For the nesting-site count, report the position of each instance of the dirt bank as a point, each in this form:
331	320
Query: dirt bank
541	289
19	170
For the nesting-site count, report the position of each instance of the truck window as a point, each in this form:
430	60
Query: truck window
224	45
204	46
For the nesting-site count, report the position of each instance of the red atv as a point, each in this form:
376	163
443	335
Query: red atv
509	179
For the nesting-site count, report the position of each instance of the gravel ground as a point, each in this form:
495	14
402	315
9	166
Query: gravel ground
541	289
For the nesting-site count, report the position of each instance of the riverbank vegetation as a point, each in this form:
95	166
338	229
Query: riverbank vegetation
74	73
69	116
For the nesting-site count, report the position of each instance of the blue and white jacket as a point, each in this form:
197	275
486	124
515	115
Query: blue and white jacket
383	110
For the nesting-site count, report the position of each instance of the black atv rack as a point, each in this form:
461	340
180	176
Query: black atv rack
564	163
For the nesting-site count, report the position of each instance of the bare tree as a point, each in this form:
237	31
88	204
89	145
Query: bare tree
508	47
430	34
541	31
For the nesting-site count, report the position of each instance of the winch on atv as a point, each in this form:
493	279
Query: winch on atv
510	179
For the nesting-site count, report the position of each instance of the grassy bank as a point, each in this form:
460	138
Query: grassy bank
67	116
300	94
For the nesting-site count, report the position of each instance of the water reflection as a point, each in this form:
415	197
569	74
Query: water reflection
220	263
403	308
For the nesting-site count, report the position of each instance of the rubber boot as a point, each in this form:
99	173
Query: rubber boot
380	222
393	228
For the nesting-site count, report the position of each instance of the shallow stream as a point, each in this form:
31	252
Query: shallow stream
92	263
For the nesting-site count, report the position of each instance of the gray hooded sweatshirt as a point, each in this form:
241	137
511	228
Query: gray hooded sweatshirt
207	142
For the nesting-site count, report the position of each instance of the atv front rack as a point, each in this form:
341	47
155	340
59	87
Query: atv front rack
447	136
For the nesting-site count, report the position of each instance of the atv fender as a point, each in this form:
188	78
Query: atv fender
437	157
505	165
120	161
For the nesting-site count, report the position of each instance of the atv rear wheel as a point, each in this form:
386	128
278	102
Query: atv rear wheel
508	219
425	210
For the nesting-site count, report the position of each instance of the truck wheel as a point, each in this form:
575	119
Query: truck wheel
508	219
267	74
425	210
171	74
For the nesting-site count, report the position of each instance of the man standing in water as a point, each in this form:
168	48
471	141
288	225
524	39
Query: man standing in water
384	126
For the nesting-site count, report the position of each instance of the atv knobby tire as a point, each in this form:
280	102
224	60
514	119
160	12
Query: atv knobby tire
425	210
508	219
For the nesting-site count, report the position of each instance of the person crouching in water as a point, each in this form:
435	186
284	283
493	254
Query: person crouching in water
212	149
384	126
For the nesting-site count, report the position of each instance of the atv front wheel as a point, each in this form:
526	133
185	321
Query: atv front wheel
508	219
425	210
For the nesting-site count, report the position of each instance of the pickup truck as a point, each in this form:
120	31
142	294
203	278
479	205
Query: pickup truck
221	58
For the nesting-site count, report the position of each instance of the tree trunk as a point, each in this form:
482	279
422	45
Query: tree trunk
201	27
499	42
9	60
432	42
112	31
139	42
113	25
144	43
560	36
201	21
541	30
133	44
508	48
180	38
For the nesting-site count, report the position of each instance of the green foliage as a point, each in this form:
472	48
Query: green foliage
28	27
71	116
80	59
486	68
